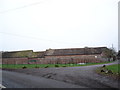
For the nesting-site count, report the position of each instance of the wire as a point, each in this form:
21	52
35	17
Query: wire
38	38
25	6
23	36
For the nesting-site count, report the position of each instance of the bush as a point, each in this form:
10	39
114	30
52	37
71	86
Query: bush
24	67
63	66
104	65
46	66
36	67
56	65
102	70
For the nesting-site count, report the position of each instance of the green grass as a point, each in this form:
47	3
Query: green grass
114	68
18	66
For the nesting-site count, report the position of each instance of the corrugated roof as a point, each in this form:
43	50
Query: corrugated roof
38	54
75	51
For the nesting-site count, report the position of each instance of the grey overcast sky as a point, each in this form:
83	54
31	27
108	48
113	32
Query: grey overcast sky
44	24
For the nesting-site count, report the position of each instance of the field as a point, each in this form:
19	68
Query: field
18	66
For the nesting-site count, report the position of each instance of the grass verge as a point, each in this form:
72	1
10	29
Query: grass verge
18	66
114	68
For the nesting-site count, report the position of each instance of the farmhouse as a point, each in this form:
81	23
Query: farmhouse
56	56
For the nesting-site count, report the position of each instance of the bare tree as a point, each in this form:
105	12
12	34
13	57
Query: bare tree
110	54
118	55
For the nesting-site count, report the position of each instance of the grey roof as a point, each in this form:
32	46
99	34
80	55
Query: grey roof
75	51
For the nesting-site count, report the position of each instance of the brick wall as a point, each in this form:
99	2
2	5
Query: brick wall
14	60
75	59
55	59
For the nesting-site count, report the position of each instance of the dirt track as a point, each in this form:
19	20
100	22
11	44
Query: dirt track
83	76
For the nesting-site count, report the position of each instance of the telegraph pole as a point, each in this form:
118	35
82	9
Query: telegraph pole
118	26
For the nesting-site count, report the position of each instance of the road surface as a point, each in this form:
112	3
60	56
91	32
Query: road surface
20	80
63	77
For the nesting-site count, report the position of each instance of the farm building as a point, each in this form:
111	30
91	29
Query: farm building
56	56
76	55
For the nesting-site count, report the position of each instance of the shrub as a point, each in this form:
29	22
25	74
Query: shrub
56	65
63	66
104	65
46	66
36	67
24	67
102	70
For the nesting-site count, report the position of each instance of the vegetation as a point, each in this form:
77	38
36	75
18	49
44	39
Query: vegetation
56	65
111	70
114	68
110	54
118	55
46	66
18	66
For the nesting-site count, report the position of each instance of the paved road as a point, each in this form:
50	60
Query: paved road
64	77
20	80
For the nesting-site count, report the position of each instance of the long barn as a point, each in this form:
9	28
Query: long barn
56	56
